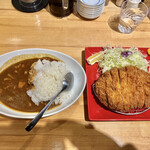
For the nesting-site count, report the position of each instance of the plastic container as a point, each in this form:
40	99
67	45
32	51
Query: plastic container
133	3
119	2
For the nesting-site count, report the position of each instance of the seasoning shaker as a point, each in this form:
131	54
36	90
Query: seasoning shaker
106	2
133	3
119	2
149	14
147	2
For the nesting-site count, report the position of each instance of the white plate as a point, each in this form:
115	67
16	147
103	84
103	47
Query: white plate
72	65
89	16
90	10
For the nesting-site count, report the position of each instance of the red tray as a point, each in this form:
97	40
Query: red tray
96	112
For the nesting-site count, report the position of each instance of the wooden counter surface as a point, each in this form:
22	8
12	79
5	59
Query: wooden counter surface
69	130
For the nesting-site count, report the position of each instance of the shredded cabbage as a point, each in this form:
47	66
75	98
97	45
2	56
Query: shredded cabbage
112	58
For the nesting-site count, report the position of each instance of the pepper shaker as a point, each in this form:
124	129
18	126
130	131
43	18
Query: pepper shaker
119	2
147	2
106	2
148	14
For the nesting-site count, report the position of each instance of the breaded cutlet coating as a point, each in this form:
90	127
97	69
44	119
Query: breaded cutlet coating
123	84
140	88
116	88
108	89
147	90
124	88
101	85
131	83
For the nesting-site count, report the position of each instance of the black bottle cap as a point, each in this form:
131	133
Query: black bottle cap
29	7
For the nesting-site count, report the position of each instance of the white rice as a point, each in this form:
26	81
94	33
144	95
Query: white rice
48	81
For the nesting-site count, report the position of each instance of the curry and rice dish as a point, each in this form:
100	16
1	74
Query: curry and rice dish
20	78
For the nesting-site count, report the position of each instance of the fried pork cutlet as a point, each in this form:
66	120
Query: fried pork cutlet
123	89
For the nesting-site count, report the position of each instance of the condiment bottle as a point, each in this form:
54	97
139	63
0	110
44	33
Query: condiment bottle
147	2
148	14
133	3
106	2
119	2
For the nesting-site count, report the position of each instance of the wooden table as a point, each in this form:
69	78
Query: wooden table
69	130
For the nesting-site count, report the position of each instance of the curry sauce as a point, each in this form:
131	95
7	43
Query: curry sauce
14	85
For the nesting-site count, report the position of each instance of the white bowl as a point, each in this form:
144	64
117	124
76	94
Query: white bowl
72	65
